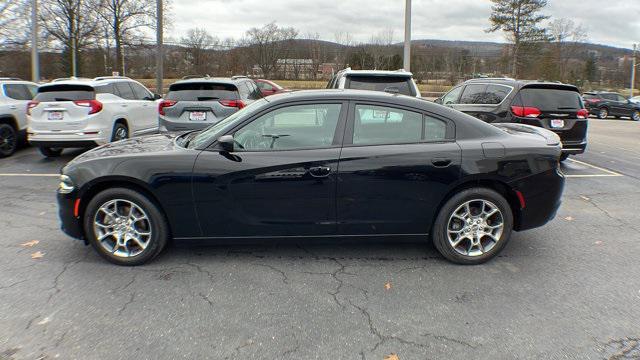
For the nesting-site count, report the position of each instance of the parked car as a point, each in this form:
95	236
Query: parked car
268	87
196	103
553	106
83	113
14	96
318	164
635	99
399	81
605	104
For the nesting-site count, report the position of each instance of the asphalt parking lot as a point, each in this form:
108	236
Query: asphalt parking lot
569	290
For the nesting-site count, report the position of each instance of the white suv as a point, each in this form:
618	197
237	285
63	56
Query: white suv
14	96
72	113
398	81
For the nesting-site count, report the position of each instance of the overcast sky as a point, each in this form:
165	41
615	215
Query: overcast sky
612	22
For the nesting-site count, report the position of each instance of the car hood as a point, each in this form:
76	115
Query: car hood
138	145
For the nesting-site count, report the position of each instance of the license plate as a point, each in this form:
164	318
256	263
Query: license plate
557	123
198	116
55	115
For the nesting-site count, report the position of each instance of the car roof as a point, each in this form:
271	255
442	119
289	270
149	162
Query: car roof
15	81
399	72
521	83
102	80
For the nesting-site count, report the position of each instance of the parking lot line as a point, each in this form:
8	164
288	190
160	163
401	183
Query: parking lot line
608	173
28	175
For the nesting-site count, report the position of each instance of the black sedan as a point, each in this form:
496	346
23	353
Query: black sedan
314	164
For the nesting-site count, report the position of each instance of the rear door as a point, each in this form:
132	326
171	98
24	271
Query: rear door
558	110
148	107
132	106
202	102
56	110
623	107
484	101
395	167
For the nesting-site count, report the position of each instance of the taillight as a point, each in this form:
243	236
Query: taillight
93	105
232	103
525	111
31	105
583	114
593	101
165	104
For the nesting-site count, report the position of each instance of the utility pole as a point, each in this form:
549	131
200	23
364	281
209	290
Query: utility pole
407	35
633	71
35	61
74	64
159	48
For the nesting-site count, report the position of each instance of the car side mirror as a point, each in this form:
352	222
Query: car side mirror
157	96
438	101
226	143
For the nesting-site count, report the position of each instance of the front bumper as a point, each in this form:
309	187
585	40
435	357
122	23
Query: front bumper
69	223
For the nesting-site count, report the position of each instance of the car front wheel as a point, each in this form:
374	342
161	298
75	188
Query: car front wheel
636	115
473	226
603	113
125	227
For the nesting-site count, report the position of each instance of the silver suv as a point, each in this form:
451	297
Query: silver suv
72	113
398	81
14	96
196	103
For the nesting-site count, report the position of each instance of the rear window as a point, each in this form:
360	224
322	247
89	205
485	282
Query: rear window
548	99
202	92
589	96
65	93
380	83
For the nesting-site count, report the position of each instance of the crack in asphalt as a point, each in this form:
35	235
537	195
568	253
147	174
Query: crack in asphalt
206	298
291	351
285	278
609	215
450	339
126	304
203	271
13	284
57	279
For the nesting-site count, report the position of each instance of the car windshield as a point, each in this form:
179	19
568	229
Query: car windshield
204	91
380	83
212	132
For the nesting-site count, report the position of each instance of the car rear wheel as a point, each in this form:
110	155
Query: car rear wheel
125	227
120	132
8	140
636	115
49	151
603	113
473	226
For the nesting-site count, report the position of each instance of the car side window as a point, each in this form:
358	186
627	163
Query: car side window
621	98
17	91
254	93
140	92
125	91
243	89
290	127
265	86
452	96
377	125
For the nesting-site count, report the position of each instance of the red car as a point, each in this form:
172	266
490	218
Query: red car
268	87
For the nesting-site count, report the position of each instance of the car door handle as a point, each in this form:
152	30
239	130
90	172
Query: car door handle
441	162
12	107
124	105
320	171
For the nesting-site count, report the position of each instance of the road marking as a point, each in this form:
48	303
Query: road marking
28	175
608	173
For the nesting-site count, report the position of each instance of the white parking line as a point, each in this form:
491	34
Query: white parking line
608	173
28	175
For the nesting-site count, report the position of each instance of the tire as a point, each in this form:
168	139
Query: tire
488	247
8	140
635	116
603	113
50	152
564	156
128	252
120	132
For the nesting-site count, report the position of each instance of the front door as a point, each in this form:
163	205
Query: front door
280	180
395	172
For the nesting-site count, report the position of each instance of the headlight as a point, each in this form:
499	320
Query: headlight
66	185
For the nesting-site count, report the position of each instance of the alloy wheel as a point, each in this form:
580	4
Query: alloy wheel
475	227
121	134
636	115
122	228
7	140
603	113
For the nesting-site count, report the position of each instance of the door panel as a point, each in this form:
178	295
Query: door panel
271	193
394	189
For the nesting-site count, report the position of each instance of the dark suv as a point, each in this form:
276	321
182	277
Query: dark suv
196	103
605	104
554	106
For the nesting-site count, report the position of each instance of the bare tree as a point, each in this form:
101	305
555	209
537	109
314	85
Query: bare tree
13	21
73	23
566	37
268	44
198	43
124	19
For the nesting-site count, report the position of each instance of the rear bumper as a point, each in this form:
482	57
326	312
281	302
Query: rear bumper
170	126
69	223
543	197
63	144
574	147
66	139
